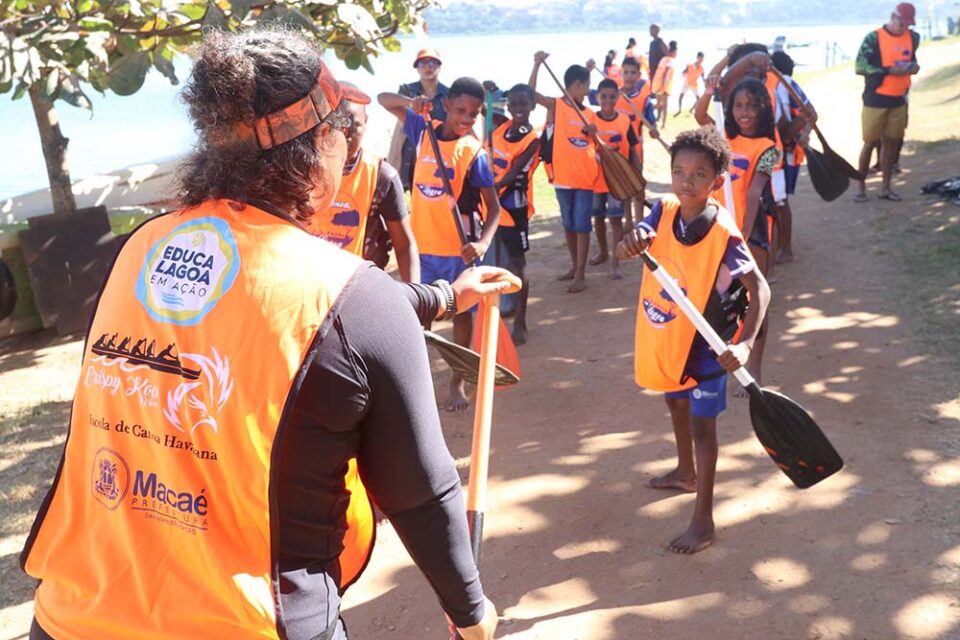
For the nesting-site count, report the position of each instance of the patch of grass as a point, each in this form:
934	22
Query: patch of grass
942	77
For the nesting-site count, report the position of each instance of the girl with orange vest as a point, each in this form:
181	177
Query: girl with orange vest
616	130
442	254
574	161
369	213
515	152
211	488
748	122
698	243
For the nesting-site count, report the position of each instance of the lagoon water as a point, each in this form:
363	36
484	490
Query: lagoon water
152	124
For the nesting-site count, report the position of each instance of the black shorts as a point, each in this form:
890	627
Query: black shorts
515	239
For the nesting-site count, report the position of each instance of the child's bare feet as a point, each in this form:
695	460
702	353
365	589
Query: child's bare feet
697	537
457	400
519	334
615	274
577	286
674	480
567	276
600	258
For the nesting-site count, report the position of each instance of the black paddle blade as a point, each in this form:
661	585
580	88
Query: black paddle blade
466	362
792	439
836	161
828	182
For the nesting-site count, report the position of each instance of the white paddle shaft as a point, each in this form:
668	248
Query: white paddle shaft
703	327
718	118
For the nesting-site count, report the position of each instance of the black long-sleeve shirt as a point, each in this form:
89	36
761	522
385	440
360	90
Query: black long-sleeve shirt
368	393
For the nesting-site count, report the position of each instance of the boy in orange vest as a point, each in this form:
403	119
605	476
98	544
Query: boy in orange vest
574	161
618	132
636	97
442	255
698	243
692	74
369	213
515	147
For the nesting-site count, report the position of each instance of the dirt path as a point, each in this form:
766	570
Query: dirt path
574	544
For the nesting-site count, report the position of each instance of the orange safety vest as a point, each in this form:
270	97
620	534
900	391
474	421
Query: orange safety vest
893	51
614	133
744	154
504	154
575	163
162	521
344	223
663	76
430	209
664	335
693	72
639	100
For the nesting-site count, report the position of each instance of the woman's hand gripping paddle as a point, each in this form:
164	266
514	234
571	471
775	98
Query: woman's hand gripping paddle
785	429
623	179
507	355
829	173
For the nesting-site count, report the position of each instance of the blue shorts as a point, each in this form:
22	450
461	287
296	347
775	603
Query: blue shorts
707	399
440	268
576	207
791	173
606	206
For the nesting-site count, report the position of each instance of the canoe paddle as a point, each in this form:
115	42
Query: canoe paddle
623	179
637	112
787	432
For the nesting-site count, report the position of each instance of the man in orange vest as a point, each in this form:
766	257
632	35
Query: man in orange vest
887	59
213	490
369	214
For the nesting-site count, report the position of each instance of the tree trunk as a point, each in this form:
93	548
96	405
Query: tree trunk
54	153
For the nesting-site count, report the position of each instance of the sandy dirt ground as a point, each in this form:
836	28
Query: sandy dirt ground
575	542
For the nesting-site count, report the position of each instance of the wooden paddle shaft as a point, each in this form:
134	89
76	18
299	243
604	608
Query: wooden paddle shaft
703	327
454	207
719	120
793	94
644	121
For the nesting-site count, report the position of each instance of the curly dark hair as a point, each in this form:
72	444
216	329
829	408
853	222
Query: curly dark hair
765	124
237	78
705	140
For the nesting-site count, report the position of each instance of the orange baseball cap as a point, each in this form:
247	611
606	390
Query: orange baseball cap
428	53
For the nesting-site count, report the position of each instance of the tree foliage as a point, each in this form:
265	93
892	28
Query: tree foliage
64	47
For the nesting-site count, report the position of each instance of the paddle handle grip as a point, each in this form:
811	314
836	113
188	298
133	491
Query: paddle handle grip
719	119
716	343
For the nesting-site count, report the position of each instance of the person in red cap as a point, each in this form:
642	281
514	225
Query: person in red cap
427	63
214	490
887	59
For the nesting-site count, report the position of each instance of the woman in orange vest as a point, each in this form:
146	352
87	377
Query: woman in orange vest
211	488
749	127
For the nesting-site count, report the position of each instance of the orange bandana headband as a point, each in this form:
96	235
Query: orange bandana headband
303	115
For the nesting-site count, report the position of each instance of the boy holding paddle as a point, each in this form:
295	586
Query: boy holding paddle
575	166
636	103
700	243
615	129
442	254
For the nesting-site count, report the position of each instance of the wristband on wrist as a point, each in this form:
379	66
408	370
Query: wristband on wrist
449	300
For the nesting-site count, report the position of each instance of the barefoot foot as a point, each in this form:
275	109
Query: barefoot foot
457	400
675	480
577	286
615	274
600	258
696	538
519	334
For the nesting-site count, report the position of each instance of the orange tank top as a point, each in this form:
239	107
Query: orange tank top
639	101
161	522
693	73
344	223
574	154
745	153
664	335
430	208
505	153
615	134
663	76
894	50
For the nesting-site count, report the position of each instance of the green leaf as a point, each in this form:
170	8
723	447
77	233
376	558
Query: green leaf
127	74
354	59
215	17
128	44
71	92
165	66
93	23
50	84
21	90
